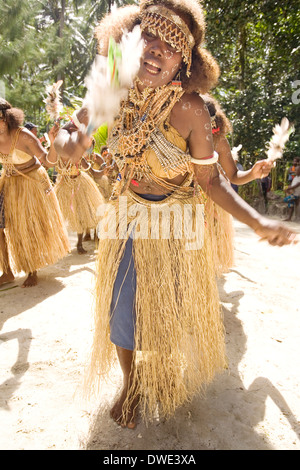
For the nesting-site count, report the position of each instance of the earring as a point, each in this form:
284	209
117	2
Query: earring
177	79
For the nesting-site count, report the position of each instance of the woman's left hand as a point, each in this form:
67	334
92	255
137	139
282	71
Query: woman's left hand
261	169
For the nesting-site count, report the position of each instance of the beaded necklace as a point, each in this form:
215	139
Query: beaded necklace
140	115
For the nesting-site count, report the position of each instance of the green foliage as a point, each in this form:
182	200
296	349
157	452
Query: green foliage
257	46
42	42
100	137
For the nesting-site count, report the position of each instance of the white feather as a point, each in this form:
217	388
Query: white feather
281	134
235	152
104	93
102	100
53	100
132	48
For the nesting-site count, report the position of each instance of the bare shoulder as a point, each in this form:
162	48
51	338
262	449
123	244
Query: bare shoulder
190	104
189	112
26	138
28	142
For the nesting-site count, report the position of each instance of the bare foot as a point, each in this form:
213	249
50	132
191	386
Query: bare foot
117	413
31	280
81	250
6	277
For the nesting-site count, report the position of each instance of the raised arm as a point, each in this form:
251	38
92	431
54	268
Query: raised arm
31	145
70	142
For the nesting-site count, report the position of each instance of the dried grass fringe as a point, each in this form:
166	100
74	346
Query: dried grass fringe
179	328
222	234
79	199
3	263
35	232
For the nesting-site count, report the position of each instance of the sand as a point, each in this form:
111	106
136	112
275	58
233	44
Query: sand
45	333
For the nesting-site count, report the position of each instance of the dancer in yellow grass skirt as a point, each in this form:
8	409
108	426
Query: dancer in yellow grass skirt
220	221
32	233
79	197
157	302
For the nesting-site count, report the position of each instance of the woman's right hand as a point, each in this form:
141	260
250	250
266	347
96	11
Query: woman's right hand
276	233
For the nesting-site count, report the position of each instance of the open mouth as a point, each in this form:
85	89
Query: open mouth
152	67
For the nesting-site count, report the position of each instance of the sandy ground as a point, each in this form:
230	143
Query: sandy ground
45	334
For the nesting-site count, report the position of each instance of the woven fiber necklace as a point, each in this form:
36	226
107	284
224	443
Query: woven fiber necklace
139	115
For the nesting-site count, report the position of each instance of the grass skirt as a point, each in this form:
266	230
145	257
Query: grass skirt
79	199
179	334
222	233
34	228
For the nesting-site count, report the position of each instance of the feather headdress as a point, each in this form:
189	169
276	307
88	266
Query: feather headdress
281	134
110	78
53	100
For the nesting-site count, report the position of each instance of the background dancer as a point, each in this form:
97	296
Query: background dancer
79	197
32	233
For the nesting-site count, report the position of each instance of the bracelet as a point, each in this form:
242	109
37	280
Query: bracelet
48	161
206	161
88	168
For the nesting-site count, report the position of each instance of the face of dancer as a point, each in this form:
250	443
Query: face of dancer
160	62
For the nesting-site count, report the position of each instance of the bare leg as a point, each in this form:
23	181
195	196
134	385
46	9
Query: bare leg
126	360
87	236
31	280
80	248
96	238
7	275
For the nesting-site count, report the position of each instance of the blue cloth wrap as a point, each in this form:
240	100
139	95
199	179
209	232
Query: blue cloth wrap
122	310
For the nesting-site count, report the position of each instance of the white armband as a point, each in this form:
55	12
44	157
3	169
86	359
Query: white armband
205	161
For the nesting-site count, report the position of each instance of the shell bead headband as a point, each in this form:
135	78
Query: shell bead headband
171	29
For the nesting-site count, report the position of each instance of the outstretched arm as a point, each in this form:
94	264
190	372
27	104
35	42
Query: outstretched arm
259	170
220	191
222	194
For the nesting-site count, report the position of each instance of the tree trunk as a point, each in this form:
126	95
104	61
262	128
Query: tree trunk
242	55
60	75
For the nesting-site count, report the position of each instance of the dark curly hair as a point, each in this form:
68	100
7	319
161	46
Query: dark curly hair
14	117
204	70
215	110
